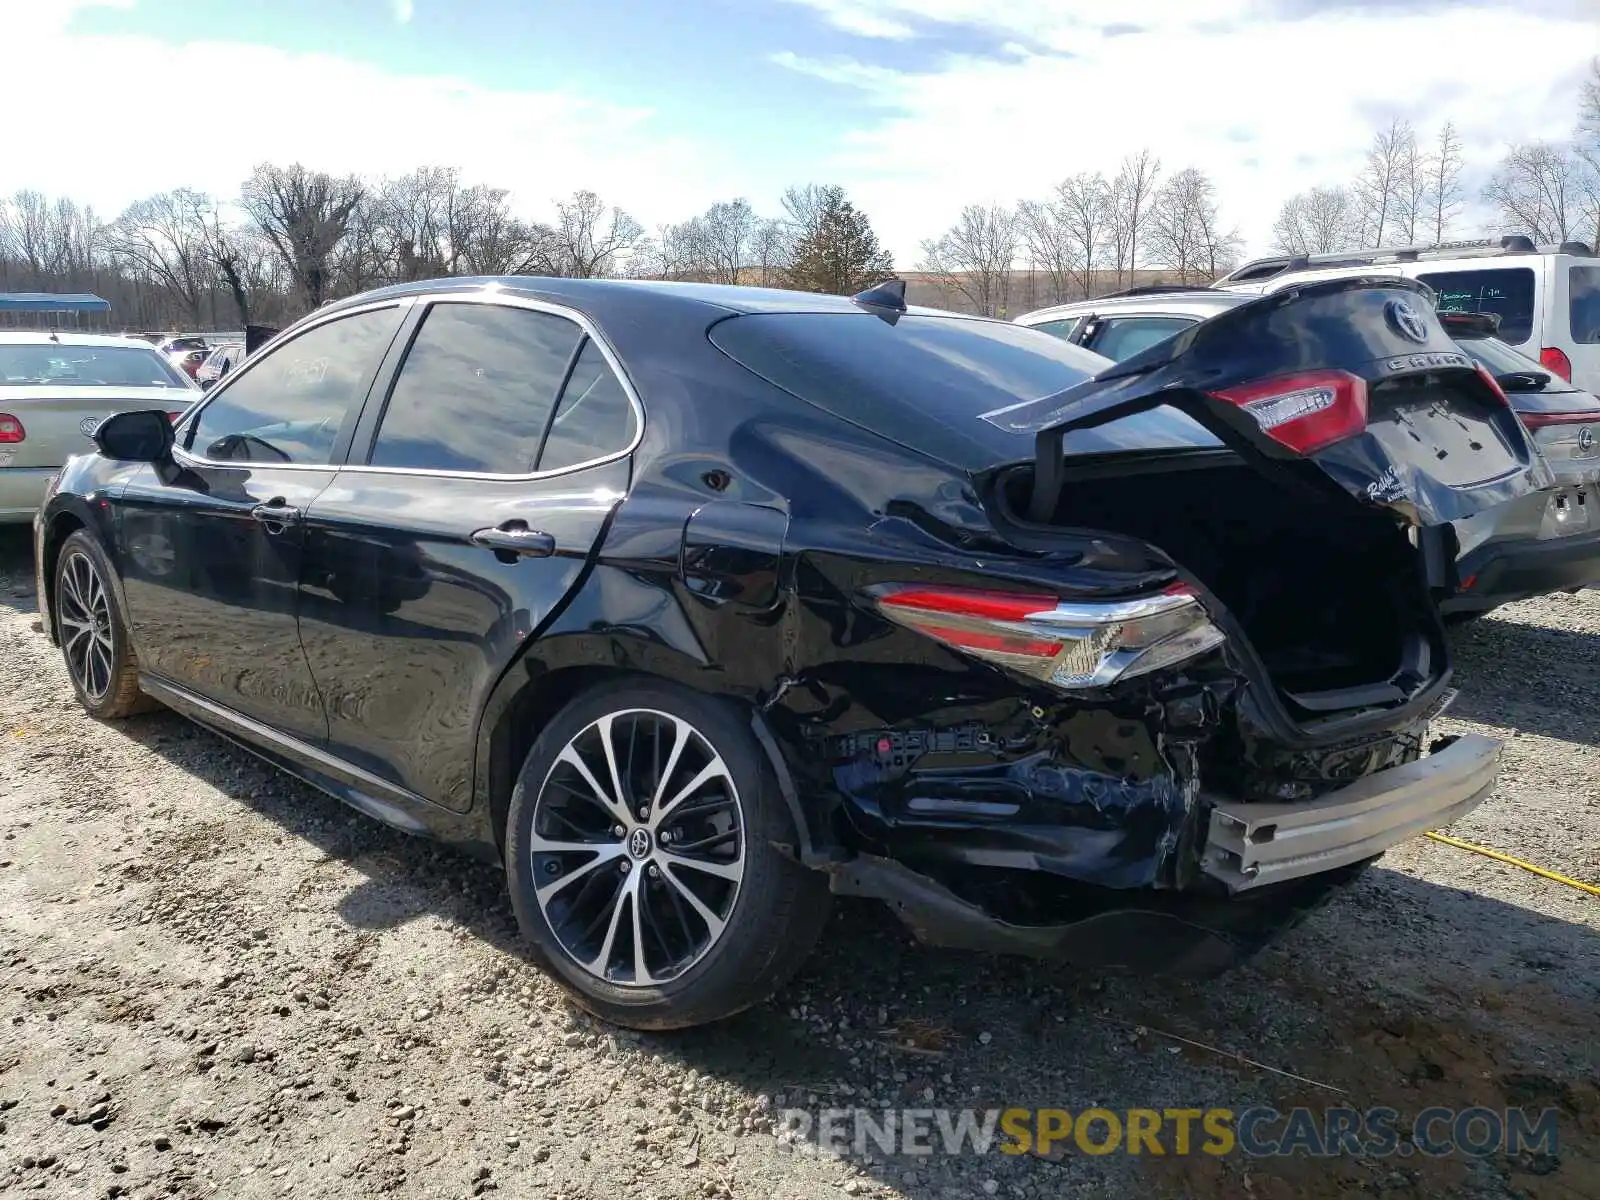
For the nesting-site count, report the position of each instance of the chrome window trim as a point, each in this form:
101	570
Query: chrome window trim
304	326
590	331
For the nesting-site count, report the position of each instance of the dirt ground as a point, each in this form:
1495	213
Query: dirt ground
217	982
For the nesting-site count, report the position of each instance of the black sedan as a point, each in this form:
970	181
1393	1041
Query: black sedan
693	605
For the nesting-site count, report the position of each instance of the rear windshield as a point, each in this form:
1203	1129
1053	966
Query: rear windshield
923	378
86	366
1507	291
1583	299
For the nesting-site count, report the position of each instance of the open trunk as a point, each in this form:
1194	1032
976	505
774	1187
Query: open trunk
1334	602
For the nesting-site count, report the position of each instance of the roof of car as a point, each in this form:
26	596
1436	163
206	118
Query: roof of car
583	293
1183	302
41	337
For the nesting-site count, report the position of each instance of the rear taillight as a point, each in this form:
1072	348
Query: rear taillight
1554	358
11	430
1493	384
1070	645
1540	420
1304	411
175	417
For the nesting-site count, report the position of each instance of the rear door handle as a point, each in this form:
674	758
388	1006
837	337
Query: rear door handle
276	512
515	538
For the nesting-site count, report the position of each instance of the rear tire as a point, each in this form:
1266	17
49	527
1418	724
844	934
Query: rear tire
93	633
673	908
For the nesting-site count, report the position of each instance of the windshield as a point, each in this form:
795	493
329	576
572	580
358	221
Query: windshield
1501	359
86	366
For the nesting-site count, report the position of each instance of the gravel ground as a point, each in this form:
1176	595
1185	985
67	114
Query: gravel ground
215	981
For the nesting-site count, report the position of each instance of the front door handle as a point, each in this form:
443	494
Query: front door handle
516	538
275	512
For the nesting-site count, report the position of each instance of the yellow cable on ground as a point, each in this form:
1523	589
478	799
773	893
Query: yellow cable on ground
1515	862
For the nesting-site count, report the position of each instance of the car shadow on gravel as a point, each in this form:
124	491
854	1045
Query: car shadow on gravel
1532	678
16	568
1399	992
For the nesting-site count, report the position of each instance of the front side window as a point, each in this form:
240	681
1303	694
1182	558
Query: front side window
1507	291
1123	337
1583	301
476	390
290	406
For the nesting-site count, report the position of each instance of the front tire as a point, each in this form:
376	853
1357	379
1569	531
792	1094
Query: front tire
94	634
641	857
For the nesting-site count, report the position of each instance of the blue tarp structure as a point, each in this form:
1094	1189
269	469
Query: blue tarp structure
52	302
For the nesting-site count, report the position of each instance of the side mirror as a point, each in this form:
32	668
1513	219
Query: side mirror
136	436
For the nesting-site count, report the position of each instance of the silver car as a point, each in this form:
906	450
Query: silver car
56	388
1545	541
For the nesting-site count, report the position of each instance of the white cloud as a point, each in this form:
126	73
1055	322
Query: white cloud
1268	107
235	105
404	10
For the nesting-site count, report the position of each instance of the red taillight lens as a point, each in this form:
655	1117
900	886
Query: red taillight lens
1554	358
175	417
1540	420
1305	411
1071	645
11	430
1493	384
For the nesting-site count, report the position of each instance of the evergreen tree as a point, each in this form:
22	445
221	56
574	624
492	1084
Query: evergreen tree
835	250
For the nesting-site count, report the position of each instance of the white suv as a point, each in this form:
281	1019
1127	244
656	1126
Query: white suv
1547	297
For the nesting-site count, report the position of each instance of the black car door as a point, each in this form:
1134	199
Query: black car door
477	490
211	548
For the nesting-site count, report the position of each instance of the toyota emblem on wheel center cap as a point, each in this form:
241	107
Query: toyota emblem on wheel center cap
88	425
639	843
1407	322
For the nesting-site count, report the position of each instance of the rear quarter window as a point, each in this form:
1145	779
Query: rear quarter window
1506	291
1583	303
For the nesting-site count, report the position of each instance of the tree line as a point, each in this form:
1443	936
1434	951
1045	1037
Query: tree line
295	238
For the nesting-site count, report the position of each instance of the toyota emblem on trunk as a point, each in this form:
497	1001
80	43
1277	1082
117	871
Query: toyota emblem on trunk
1585	440
88	425
1406	321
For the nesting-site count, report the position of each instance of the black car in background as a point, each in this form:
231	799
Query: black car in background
693	604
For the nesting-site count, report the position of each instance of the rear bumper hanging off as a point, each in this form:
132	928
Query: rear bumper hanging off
1249	845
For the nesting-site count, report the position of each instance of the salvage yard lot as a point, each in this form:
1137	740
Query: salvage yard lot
216	981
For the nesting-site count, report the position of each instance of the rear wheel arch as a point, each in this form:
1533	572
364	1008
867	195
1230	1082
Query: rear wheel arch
519	711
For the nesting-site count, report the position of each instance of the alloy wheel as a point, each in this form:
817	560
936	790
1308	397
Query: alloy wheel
638	847
85	616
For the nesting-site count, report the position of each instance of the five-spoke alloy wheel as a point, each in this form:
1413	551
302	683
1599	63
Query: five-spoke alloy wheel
644	854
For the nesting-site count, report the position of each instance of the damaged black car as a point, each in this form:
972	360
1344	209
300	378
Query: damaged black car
694	605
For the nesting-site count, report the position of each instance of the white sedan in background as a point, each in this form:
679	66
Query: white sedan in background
56	388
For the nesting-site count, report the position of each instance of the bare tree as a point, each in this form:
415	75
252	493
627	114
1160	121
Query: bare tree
1186	234
1381	186
304	215
1444	194
590	240
1410	190
1539	191
976	256
1042	225
774	248
165	238
1314	222
725	235
1132	192
1069	231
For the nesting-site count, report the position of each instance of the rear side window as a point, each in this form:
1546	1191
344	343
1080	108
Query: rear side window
1583	300
476	390
1123	337
594	418
1061	328
1508	292
290	406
